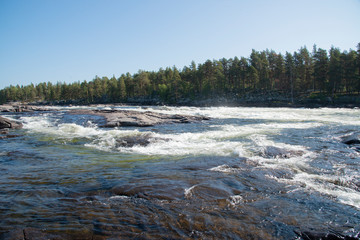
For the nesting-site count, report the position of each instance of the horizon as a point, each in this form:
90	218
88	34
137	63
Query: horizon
69	41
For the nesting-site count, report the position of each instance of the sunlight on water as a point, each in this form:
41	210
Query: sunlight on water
239	158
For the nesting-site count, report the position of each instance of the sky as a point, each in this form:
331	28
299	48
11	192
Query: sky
69	41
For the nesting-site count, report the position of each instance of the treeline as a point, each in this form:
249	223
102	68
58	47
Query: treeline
329	72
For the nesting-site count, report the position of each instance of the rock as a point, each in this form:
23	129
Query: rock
311	235
276	152
140	140
17	107
6	123
351	139
4	131
16	234
160	191
8	136
126	118
29	234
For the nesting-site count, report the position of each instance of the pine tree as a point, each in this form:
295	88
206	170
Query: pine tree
335	73
289	72
321	65
122	88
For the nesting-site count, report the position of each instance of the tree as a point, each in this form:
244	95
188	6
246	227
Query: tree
253	77
175	83
308	68
289	72
142	82
243	70
321	65
358	67
122	87
272	57
255	62
130	85
113	90
329	72
335	71
226	65
280	82
264	71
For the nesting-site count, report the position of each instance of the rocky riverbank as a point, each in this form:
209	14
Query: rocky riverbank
253	99
22	107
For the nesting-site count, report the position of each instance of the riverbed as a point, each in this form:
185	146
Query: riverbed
246	173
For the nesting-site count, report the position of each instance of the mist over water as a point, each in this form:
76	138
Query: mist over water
247	173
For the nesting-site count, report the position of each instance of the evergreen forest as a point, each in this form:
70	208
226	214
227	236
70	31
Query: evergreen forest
318	71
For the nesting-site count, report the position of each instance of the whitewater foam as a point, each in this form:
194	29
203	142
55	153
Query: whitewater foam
249	132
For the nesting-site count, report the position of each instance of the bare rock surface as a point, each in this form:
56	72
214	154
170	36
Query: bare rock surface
7	123
17	107
351	139
126	118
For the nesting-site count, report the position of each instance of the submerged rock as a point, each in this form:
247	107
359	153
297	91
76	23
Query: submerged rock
31	233
126	118
149	191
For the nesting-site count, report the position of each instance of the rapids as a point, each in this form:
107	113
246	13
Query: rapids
247	173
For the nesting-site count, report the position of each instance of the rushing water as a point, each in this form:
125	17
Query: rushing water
247	173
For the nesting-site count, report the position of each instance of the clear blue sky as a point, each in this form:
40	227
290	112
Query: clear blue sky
74	40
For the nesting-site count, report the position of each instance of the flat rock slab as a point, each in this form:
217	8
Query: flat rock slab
21	108
126	118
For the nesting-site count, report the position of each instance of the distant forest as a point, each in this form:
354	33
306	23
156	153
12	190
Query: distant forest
302	72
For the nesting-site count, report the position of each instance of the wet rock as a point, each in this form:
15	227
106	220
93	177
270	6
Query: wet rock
6	123
140	140
7	136
30	234
310	235
276	152
4	131
126	118
351	139
16	234
149	192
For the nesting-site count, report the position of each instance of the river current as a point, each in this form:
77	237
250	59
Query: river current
247	173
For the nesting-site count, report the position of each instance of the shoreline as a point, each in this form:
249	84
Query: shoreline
43	105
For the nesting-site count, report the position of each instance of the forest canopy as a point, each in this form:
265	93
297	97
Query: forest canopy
329	72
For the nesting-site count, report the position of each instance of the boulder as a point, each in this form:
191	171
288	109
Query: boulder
6	123
351	139
137	140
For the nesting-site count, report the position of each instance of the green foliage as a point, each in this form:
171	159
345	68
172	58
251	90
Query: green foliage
301	72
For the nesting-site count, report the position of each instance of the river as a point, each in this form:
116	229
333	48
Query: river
247	173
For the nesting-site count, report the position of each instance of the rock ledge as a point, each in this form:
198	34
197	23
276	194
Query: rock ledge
126	118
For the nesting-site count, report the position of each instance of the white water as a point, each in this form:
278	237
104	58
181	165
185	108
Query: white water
290	139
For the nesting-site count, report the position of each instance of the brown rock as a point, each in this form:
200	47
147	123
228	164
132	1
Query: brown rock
7	123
